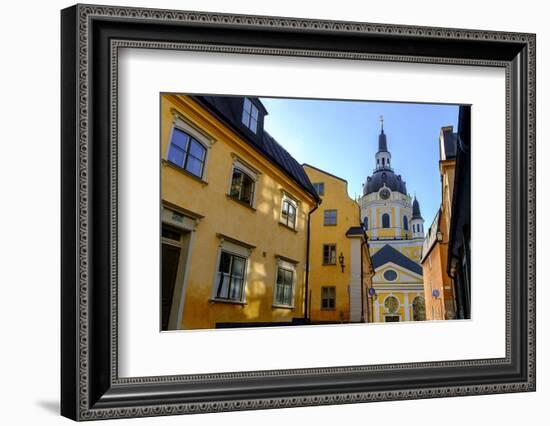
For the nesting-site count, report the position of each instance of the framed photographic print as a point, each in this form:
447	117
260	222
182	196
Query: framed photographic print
263	212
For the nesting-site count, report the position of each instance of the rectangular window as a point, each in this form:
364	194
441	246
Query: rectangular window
319	188
329	254
250	115
186	152
284	287
230	280
242	187
288	213
328	298
330	217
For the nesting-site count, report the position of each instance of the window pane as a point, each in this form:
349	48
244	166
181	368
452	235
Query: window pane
247	189
247	105
180	139
238	267
330	217
235	292
253	124
288	278
236	183
254	112
171	234
284	211
194	166
197	150
291	216
223	285
225	262
176	155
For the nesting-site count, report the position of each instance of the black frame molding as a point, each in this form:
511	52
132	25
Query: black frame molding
91	37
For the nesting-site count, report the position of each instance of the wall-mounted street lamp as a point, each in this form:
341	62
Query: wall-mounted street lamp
372	292
341	259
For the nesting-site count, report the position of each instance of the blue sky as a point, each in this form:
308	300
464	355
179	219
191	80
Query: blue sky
341	137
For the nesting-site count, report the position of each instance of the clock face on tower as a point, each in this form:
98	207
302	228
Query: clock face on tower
384	193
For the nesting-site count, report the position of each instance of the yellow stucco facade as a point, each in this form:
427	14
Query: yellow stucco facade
206	228
438	286
336	225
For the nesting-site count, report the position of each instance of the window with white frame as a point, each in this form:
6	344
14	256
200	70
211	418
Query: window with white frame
250	115
288	212
242	186
187	152
231	277
284	284
231	270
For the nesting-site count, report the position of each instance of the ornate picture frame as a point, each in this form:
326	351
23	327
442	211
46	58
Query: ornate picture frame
91	37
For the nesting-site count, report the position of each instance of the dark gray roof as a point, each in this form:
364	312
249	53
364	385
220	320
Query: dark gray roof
389	254
287	162
230	108
355	230
384	176
449	142
416	209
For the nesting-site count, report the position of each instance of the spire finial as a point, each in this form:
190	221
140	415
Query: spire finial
382	123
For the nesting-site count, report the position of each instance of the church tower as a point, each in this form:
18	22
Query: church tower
417	223
395	230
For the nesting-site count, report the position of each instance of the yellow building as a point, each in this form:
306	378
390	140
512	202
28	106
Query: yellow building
234	215
340	265
438	285
395	229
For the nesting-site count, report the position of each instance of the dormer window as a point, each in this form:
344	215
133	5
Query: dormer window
250	115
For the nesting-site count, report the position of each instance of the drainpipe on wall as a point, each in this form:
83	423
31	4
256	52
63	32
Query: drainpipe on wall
306	301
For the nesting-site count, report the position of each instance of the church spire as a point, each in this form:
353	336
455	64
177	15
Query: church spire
382	142
383	156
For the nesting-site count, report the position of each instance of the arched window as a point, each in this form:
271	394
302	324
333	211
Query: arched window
383	161
366	223
405	223
391	304
419	309
385	220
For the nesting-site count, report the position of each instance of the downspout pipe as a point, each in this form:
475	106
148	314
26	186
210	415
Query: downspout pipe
306	301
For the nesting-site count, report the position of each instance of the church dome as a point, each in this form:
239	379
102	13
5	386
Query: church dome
383	177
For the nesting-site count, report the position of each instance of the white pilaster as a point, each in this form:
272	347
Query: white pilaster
407	307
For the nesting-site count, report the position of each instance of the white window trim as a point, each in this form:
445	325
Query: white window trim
180	123
285	264
295	203
250	171
237	250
